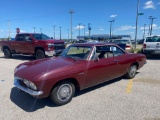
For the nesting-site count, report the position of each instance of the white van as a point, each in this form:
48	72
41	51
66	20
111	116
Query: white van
151	45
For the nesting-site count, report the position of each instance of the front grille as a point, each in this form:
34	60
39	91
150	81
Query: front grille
58	46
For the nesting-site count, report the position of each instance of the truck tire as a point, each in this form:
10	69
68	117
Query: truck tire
7	53
62	93
39	54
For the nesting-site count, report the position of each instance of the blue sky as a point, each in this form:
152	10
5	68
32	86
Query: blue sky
44	14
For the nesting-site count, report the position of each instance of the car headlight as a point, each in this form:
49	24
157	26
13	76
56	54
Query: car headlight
30	84
50	45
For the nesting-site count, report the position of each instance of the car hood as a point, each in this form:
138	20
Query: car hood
34	69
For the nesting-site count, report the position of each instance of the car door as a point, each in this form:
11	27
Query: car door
19	43
101	69
29	44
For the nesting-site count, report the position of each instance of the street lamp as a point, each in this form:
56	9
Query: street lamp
68	34
71	12
8	29
144	31
84	30
60	32
54	30
136	23
112	21
79	28
151	25
34	29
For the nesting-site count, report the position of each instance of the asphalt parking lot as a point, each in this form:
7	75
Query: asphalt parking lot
119	99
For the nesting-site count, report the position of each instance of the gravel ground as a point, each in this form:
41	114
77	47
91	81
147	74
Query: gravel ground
119	99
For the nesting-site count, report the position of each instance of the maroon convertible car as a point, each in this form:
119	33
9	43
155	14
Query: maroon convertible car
78	67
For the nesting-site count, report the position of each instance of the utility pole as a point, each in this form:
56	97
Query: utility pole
149	29
89	28
68	34
40	30
151	25
112	21
84	31
71	12
79	29
136	23
8	29
144	31
60	32
54	30
34	28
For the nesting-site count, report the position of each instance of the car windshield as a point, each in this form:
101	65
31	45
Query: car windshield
40	36
77	52
153	39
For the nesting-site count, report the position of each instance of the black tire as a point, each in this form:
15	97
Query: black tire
7	53
39	54
131	72
62	93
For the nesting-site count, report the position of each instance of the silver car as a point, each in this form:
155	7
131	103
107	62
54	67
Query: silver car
127	44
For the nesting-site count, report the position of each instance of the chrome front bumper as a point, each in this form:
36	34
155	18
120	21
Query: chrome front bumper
54	52
27	90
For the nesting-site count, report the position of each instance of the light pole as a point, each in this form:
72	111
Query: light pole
151	25
79	29
89	28
144	31
40	30
84	31
54	30
8	29
136	23
71	12
149	30
60	32
68	34
112	21
34	29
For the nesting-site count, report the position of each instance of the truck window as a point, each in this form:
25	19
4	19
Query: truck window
40	36
20	38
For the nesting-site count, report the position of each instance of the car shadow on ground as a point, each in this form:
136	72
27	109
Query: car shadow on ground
153	57
31	104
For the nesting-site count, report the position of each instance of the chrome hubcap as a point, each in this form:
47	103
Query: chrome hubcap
64	92
133	70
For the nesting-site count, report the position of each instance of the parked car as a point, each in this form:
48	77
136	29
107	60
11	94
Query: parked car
78	67
128	44
37	44
151	45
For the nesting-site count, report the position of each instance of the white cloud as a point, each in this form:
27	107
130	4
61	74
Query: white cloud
158	3
113	16
79	27
154	26
149	5
101	29
126	27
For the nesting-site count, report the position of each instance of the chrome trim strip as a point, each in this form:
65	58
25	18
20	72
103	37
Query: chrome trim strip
27	90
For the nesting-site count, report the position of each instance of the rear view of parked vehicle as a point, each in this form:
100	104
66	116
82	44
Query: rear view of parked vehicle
128	44
151	45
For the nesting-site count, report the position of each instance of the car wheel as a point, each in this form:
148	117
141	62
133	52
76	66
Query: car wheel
62	93
131	72
40	54
7	53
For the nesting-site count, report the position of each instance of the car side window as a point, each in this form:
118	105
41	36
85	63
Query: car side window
103	52
20	38
27	37
107	51
116	51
